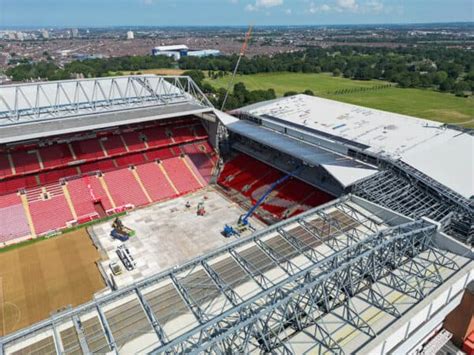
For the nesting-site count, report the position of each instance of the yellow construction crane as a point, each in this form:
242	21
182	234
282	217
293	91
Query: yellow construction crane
248	35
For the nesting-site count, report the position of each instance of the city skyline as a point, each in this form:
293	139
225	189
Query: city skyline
107	13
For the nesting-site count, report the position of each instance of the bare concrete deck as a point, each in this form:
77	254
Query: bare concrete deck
169	234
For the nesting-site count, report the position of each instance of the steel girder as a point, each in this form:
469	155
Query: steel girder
47	100
258	322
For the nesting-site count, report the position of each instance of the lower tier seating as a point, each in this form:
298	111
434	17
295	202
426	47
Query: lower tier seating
251	179
155	182
180	174
51	214
124	188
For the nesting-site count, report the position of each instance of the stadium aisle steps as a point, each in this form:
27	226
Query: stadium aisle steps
155	182
82	197
70	204
142	186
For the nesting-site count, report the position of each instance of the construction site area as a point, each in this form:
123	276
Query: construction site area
289	226
169	233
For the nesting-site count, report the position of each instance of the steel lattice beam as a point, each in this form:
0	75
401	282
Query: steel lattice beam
316	291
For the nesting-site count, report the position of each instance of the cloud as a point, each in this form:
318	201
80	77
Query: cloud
288	11
355	6
347	5
314	8
374	6
263	4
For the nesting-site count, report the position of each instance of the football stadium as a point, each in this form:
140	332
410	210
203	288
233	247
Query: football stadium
137	218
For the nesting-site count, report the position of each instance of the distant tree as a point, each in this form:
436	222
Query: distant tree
461	88
308	92
336	72
290	93
196	75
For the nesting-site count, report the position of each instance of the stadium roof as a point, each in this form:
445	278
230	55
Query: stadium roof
344	169
442	153
29	111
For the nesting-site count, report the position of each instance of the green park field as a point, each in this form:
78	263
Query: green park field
414	102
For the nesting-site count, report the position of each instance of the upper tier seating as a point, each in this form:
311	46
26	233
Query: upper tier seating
113	145
52	161
25	161
88	149
55	155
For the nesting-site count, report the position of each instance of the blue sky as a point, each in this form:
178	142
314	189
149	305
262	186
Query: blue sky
77	13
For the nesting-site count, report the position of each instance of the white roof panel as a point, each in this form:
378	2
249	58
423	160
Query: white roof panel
348	175
442	153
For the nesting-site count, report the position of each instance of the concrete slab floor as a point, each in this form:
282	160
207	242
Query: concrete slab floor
169	234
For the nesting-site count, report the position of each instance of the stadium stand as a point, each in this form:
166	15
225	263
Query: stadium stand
179	173
250	179
78	178
124	188
82	198
56	155
155	182
50	214
203	158
25	161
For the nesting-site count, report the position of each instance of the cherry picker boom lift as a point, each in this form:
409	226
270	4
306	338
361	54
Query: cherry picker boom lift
243	223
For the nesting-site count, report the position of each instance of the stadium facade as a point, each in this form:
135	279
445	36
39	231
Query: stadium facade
368	245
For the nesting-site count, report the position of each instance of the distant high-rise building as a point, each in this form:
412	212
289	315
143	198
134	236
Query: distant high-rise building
45	34
75	32
130	35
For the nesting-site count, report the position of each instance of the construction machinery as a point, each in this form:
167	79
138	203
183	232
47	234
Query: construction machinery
248	35
126	257
201	211
120	232
243	223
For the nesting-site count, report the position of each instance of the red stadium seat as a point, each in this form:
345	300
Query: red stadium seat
113	145
5	169
133	141
56	155
155	182
124	188
25	161
180	175
50	215
88	149
82	197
